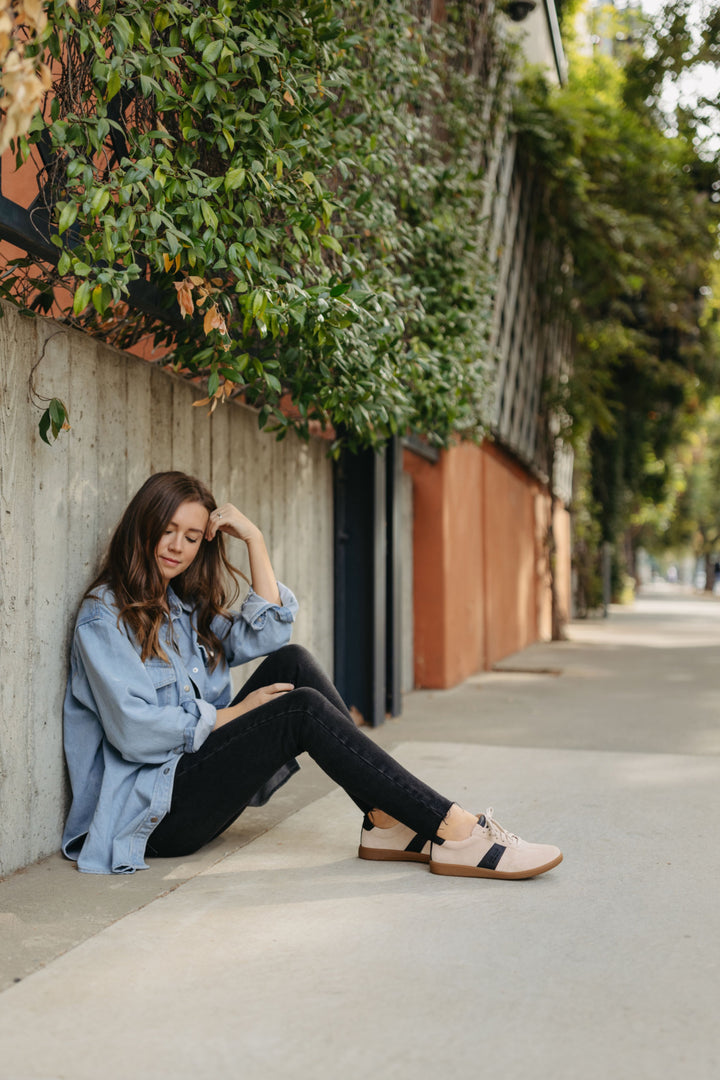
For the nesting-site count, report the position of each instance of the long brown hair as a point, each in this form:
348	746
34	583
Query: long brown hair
131	570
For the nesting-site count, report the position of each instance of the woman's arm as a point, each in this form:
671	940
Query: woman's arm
228	519
258	697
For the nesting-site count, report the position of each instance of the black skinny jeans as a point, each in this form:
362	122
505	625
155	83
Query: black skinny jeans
214	785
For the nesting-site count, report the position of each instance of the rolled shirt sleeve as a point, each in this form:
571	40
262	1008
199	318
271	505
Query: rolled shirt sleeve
206	721
259	628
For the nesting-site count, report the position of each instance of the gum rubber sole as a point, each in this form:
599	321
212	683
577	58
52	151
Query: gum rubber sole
450	870
388	855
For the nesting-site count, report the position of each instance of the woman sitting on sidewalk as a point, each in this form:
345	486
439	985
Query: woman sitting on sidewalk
161	761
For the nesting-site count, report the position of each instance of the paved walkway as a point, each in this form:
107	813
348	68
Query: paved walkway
277	953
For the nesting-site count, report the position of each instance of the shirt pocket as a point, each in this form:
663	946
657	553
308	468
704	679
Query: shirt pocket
162	676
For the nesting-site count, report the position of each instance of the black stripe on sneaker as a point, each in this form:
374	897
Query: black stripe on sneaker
492	857
416	844
367	823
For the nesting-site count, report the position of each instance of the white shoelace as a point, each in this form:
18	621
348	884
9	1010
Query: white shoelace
496	830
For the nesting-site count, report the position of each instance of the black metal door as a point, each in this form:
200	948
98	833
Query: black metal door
367	582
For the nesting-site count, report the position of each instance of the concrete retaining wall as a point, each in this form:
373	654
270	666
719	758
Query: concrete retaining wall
58	506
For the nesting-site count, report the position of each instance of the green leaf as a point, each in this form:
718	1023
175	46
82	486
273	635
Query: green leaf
113	84
67	217
259	302
211	52
330	242
234	178
122	32
99	298
209	215
81	298
44	426
57	413
99	201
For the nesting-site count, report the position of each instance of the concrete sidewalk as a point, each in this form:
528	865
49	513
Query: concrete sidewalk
277	953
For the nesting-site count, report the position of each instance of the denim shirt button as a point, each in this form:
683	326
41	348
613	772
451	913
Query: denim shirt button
153	820
165	772
186	689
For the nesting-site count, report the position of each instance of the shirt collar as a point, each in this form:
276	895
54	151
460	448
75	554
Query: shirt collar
177	605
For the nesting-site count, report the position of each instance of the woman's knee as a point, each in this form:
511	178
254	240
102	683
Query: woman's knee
296	653
300	660
316	708
308	699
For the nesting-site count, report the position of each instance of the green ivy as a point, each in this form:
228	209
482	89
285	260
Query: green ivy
318	166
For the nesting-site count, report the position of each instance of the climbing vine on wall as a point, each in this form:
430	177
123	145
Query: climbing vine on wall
301	185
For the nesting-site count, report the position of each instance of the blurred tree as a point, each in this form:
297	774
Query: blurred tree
630	193
688	520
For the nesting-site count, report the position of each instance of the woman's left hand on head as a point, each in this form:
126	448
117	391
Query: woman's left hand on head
228	519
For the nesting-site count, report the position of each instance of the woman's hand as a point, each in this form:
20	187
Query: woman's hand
254	700
228	519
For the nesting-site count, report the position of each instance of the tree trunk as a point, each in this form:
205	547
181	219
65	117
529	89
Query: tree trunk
709	572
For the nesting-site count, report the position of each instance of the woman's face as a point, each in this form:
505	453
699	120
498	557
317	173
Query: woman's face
181	541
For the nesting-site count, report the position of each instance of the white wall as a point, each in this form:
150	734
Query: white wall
59	504
540	41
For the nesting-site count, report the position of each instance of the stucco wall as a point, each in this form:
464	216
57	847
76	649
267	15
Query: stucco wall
59	504
448	565
514	577
481	571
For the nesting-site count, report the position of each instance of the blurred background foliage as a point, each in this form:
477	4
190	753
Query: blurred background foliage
629	177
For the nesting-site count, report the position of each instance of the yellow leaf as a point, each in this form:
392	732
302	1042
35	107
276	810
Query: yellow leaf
287	96
209	320
205	401
167	262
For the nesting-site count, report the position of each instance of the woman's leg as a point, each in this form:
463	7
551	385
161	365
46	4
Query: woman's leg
213	785
294	664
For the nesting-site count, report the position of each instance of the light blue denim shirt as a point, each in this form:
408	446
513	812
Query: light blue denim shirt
127	723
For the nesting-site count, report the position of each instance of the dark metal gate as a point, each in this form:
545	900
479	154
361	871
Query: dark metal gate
367	581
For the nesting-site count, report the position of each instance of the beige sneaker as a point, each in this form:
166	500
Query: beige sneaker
396	844
492	852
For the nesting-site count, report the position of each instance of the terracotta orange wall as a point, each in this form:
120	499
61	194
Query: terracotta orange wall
447	565
509	497
481	574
